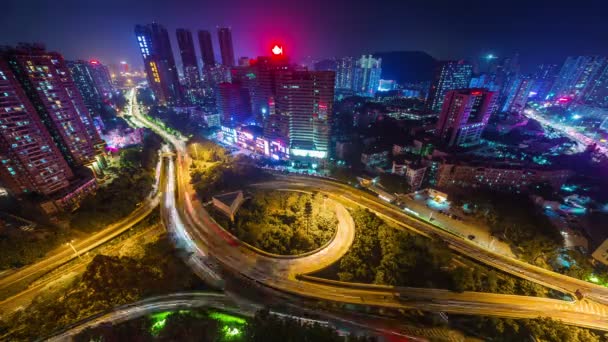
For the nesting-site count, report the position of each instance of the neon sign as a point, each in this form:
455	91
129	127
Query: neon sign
277	50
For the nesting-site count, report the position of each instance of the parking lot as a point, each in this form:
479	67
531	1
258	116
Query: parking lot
441	213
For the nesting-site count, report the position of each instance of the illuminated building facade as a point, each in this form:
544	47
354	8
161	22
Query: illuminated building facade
517	95
224	35
464	115
155	48
576	77
366	76
597	95
101	78
93	82
305	98
544	77
29	160
204	40
262	81
44	141
234	103
249	139
513	178
449	75
188	55
345	70
81	74
47	82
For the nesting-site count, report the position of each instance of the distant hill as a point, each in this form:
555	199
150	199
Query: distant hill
407	66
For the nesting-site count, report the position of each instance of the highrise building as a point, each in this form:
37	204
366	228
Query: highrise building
464	115
204	39
366	77
81	74
101	78
306	98
449	75
30	162
544	76
597	95
48	84
345	70
517	95
234	104
186	51
155	47
263	84
94	83
224	35
576	76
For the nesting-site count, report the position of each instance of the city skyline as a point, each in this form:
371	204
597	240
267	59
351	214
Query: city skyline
537	31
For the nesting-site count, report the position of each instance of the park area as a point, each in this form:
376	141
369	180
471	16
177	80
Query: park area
283	222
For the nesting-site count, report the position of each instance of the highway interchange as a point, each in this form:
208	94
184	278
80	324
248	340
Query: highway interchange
194	230
192	223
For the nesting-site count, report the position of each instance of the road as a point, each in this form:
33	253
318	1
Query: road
62	275
568	131
224	302
50	262
205	237
172	302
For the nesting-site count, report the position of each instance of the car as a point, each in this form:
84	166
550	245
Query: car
471	237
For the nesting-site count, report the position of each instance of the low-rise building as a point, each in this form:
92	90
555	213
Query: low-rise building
374	158
510	177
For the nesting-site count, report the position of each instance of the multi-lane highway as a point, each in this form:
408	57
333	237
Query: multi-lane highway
205	237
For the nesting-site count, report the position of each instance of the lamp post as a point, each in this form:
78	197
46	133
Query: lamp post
73	248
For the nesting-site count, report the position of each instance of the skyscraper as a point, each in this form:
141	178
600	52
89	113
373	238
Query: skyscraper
93	82
544	76
517	95
224	35
204	40
101	78
234	103
155	47
366	75
464	115
48	84
186	51
81	74
264	85
448	75
306	98
597	95
576	76
345	69
29	160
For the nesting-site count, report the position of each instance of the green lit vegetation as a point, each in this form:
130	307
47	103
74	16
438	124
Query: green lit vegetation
107	282
211	325
132	182
382	254
283	222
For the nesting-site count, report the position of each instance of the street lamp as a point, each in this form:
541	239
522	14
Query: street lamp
73	248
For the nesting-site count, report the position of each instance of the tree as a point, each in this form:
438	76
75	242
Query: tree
308	214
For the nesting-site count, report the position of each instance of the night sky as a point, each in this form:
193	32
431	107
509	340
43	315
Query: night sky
538	30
